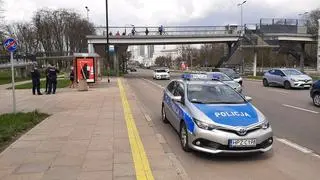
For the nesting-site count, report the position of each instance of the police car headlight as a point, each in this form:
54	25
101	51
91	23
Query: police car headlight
265	125
204	125
294	80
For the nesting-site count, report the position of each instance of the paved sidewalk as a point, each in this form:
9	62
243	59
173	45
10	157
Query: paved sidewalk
86	138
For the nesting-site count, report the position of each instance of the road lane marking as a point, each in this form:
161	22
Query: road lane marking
273	90
298	147
302	109
316	155
147	117
159	86
141	163
295	146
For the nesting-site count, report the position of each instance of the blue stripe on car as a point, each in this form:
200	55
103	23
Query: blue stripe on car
182	114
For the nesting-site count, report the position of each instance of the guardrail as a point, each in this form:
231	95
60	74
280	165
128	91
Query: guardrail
170	30
15	64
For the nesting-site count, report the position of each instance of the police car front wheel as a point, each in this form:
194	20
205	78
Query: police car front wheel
184	138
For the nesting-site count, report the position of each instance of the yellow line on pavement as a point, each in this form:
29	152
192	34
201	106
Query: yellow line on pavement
141	163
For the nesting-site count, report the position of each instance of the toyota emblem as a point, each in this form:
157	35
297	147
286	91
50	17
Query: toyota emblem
242	131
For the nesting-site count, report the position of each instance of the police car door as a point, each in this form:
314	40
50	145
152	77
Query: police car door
177	107
168	95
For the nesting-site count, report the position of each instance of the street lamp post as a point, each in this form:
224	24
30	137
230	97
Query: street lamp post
241	5
107	32
87	12
304	17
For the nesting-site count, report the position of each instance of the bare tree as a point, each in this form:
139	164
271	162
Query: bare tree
2	27
312	22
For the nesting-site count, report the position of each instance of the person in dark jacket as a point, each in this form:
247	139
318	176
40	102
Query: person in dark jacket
85	72
52	77
133	31
147	31
72	76
35	75
47	78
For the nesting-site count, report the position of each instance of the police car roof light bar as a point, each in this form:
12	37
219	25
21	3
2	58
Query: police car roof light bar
195	76
200	76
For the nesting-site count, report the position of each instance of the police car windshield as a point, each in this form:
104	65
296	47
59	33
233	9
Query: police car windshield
213	94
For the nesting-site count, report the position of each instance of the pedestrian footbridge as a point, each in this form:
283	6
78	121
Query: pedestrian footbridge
269	33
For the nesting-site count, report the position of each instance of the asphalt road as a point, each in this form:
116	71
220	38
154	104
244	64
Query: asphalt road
294	119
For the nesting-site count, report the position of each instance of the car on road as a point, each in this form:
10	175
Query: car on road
211	117
226	79
286	77
161	74
315	93
132	69
231	73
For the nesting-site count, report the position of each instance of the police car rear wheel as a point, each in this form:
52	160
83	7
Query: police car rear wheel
316	100
164	115
184	138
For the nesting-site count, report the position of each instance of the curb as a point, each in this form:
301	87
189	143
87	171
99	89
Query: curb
249	79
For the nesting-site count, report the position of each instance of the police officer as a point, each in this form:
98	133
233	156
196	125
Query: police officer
35	75
47	78
52	79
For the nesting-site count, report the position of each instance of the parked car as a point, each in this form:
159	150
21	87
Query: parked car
226	79
132	69
160	74
315	93
231	73
287	77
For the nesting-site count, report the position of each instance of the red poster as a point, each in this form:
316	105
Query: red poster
85	69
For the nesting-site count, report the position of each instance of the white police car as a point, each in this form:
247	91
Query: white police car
212	117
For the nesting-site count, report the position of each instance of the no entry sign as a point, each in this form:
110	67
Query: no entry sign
10	44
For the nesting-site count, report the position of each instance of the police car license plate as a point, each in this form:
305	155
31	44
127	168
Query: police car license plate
242	142
307	85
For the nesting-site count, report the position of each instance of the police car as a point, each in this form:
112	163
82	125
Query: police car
212	117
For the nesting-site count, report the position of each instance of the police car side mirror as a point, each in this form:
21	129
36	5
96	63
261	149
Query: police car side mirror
248	98
177	98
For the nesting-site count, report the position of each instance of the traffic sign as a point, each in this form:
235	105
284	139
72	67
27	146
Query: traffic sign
10	44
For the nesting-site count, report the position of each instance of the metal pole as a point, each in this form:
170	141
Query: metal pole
318	57
13	84
241	19
255	63
87	12
88	16
107	28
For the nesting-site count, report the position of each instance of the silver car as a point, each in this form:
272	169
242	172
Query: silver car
289	78
227	80
211	117
231	73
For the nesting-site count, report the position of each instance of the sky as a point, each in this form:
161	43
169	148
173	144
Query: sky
166	12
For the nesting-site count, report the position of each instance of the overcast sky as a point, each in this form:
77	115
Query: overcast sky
166	12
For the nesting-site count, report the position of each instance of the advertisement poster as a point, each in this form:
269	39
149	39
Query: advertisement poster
85	69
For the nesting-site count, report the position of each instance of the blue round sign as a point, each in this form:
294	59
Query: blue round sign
10	44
